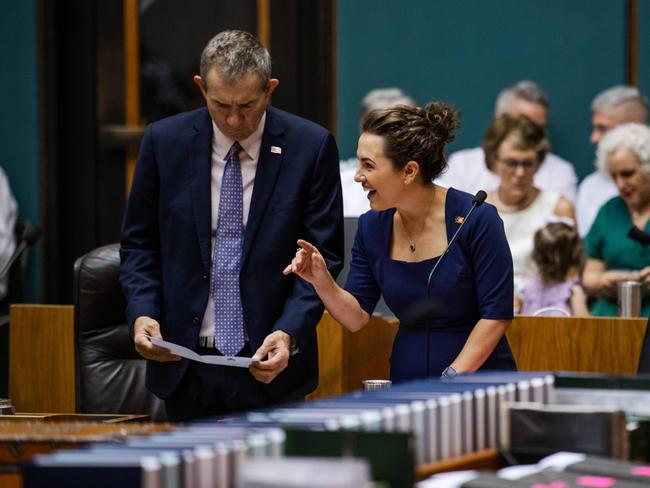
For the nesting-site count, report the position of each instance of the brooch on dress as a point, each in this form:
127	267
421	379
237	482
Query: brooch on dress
459	219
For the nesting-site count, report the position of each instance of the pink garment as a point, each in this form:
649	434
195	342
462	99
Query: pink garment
537	295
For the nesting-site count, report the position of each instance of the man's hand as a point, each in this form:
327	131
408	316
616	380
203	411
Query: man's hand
277	346
144	328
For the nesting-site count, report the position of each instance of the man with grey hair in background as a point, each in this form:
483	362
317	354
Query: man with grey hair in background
467	169
355	199
220	196
612	107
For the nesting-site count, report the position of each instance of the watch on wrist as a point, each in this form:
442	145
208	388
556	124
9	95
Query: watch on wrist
449	373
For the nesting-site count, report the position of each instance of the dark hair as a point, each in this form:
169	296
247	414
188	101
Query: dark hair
520	130
415	134
557	248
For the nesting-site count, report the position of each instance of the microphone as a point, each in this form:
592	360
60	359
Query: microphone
30	236
424	311
639	236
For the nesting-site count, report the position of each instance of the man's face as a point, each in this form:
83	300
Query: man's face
604	120
236	105
534	111
601	122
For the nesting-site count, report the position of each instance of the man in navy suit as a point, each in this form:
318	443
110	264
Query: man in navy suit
219	198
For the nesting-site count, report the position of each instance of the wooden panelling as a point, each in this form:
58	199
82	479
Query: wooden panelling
330	358
594	344
347	358
366	354
41	358
131	82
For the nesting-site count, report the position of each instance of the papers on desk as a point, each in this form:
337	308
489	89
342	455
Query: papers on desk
184	352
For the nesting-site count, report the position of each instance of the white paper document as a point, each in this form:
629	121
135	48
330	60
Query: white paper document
184	352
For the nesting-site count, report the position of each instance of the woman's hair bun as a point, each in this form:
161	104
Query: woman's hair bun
444	120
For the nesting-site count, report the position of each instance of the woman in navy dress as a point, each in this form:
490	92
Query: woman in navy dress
398	242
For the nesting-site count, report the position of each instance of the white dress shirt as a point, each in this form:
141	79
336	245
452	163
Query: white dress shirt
8	215
594	191
248	158
467	171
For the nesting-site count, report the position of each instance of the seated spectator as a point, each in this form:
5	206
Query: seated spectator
612	107
467	169
514	149
8	215
558	257
613	257
355	200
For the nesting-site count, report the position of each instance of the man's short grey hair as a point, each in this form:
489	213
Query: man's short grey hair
524	90
383	98
619	95
631	136
234	53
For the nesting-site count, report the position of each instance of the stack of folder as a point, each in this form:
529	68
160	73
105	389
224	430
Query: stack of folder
396	429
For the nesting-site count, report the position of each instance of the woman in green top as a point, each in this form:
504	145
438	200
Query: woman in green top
612	257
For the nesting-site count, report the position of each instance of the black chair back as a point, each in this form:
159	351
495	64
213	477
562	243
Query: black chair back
110	375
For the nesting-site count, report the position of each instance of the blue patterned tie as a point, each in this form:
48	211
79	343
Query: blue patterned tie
224	284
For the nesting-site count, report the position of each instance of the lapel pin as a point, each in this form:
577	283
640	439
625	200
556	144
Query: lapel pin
276	150
459	219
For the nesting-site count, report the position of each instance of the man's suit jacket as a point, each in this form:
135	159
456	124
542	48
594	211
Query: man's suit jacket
166	238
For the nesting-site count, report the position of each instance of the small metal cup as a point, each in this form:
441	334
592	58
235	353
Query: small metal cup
371	385
629	299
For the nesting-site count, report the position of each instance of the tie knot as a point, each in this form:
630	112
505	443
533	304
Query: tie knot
234	151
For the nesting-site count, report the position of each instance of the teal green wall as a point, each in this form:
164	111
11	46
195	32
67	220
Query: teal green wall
465	51
19	117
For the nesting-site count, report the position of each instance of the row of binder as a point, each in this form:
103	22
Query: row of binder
441	419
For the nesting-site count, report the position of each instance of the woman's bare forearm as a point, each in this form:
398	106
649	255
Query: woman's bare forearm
480	344
342	305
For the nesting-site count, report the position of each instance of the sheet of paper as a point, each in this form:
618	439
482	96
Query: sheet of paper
184	352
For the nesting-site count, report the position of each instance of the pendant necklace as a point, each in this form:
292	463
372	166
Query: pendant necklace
408	236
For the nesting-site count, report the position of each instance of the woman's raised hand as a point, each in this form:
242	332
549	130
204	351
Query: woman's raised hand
310	265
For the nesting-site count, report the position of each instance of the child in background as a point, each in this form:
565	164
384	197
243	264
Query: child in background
558	255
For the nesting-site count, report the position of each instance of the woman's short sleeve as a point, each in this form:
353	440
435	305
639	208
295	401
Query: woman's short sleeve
491	262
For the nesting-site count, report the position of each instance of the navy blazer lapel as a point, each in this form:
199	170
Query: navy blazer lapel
200	176
268	168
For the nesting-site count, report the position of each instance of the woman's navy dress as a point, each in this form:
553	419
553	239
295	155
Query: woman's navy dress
473	281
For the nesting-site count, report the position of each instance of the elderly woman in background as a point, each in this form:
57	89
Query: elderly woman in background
514	149
612	257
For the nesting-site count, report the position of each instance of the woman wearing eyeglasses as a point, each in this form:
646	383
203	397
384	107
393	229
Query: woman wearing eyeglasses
514	148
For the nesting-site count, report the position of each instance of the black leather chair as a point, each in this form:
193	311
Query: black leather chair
109	373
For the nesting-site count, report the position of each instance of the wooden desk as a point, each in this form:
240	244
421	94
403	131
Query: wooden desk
41	358
347	358
41	352
592	344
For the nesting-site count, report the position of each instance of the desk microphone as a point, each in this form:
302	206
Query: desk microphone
30	236
424	311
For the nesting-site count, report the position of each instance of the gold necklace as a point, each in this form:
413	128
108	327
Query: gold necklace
408	236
